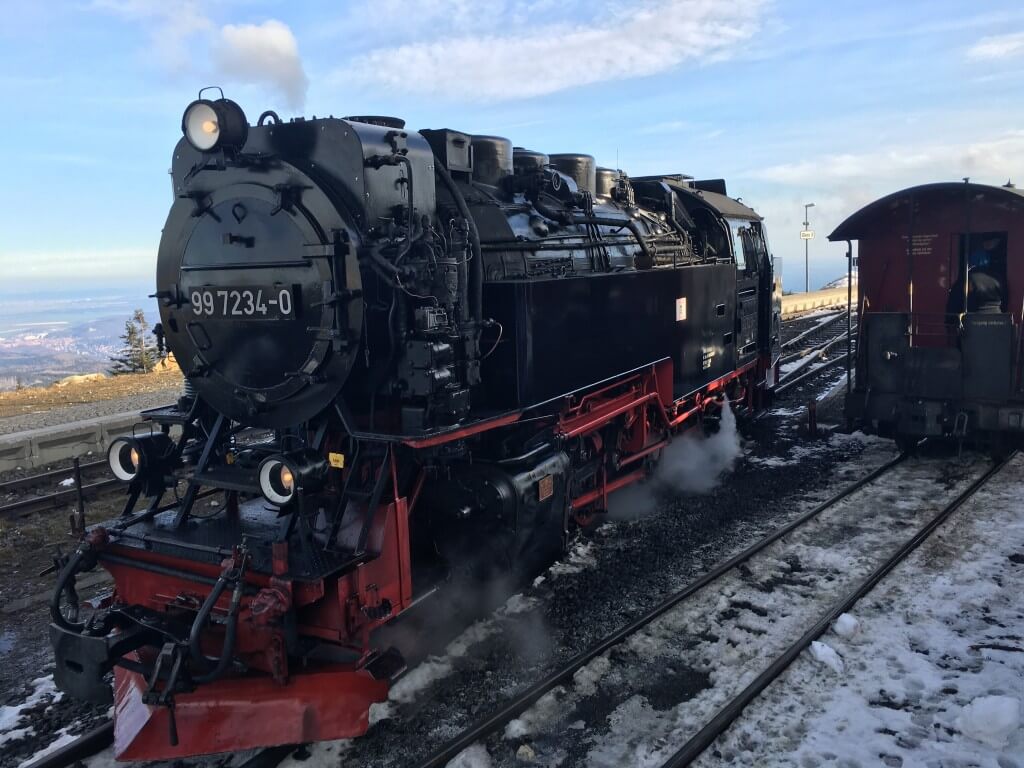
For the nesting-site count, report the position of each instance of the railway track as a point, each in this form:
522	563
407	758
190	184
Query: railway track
99	738
797	380
54	500
563	677
728	714
47	478
819	344
802	332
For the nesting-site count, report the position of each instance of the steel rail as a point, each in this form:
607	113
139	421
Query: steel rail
55	500
101	737
731	711
813	329
521	702
44	477
792	381
86	745
815	350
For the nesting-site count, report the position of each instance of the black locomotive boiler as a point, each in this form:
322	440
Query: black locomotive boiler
408	355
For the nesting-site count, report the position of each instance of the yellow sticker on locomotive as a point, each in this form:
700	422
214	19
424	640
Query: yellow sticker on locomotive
546	487
337	460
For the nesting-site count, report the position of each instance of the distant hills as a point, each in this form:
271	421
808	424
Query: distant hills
47	336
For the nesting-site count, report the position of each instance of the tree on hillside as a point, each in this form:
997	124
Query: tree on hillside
137	354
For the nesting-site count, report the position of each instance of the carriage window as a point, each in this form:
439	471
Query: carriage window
985	258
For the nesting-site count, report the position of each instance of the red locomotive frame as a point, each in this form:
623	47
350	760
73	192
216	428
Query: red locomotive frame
304	705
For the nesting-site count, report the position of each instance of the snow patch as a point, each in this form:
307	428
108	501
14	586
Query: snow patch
538	717
990	719
586	678
519	604
420	677
846	625
476	633
581	556
62	738
473	756
824	653
43	690
380	710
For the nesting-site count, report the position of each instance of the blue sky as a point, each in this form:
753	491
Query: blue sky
833	103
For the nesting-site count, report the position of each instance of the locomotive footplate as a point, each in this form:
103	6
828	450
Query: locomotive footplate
210	541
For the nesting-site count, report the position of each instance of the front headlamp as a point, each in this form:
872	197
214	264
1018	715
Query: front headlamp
145	456
212	125
282	475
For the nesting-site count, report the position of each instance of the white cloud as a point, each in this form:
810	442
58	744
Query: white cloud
171	24
669	126
841	184
64	264
995	157
264	53
998	46
533	60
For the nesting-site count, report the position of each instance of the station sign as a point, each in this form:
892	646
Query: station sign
806	234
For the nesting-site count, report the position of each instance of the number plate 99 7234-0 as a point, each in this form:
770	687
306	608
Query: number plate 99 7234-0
268	302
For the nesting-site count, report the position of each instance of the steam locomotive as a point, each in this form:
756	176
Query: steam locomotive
410	357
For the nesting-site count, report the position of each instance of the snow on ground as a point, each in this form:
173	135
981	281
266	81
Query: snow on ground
800	451
662	684
423	675
934	673
63	736
581	556
13	722
474	756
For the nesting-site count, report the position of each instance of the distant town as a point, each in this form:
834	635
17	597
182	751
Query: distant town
81	335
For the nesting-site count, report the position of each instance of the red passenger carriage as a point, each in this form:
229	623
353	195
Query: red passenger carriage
941	299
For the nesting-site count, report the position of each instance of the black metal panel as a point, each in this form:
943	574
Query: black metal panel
558	334
886	338
987	351
933	373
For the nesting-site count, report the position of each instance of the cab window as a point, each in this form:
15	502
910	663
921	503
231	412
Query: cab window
739	243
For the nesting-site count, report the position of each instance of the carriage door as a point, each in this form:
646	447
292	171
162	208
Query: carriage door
747	281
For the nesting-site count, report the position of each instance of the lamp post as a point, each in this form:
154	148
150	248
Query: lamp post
807	235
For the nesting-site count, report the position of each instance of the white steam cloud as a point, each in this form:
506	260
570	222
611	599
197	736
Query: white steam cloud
647	39
690	464
264	54
185	41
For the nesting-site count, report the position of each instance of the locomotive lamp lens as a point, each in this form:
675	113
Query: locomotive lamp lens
281	476
141	457
124	459
277	483
201	126
212	125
